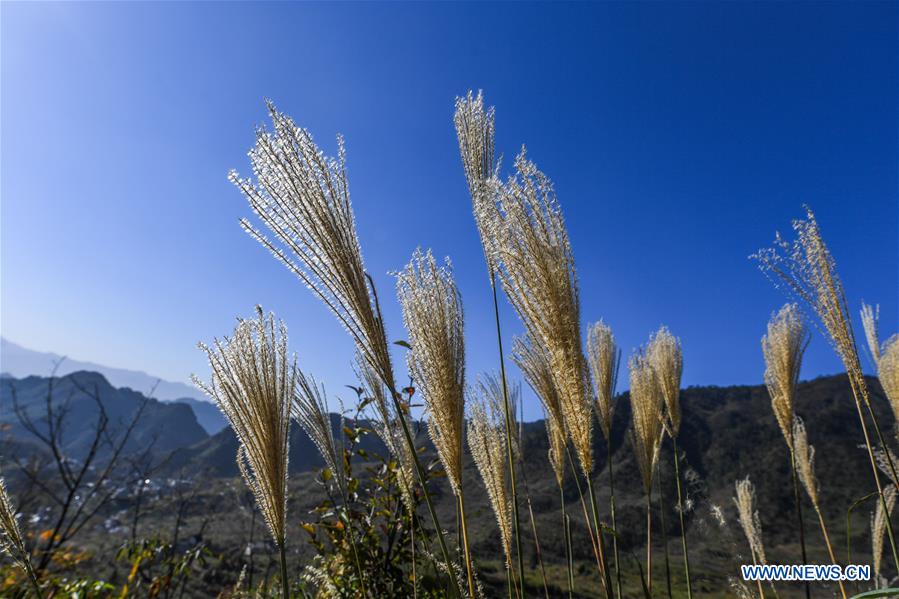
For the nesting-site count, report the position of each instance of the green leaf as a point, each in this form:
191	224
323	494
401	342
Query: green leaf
877	593
326	474
402	343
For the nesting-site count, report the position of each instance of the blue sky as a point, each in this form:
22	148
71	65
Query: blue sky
680	137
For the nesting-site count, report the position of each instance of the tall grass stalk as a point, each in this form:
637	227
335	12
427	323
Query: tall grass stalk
533	361
604	358
804	458
647	404
485	439
663	506
253	384
432	312
303	197
475	129
749	521
782	348
807	270
667	359
885	356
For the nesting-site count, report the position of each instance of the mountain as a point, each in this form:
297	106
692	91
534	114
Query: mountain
207	413
78	396
20	362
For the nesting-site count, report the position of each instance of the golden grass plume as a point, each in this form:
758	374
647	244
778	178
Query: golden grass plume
879	523
885	356
310	410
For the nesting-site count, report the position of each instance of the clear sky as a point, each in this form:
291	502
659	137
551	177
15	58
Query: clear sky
680	137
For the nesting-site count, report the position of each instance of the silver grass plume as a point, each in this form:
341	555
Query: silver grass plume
667	359
886	356
879	522
783	348
303	197
536	268
870	320
534	363
491	388
647	404
475	130
486	440
749	519
253	383
603	356
808	271
388	428
310	410
11	540
805	461
432	313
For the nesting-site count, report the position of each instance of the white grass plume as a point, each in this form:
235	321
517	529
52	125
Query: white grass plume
432	313
667	359
475	130
486	440
749	519
536	268
303	197
253	383
647	405
534	363
783	348
603	356
310	410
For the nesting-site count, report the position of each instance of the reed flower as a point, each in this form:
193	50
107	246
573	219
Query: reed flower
886	356
808	271
491	388
783	348
475	130
647	406
303	197
253	384
667	359
603	356
879	523
432	313
749	519
488	448
310	410
536	268
534	363
11	540
805	461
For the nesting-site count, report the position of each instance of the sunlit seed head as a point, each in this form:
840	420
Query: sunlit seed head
647	406
432	312
486	440
253	383
749	519
603	356
782	348
667	359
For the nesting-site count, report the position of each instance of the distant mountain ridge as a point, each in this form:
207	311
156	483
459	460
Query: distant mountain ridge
162	426
20	362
